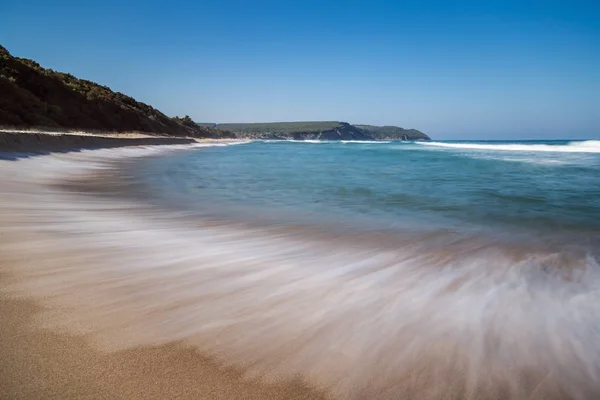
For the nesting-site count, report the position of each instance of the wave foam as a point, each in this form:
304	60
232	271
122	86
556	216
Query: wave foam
416	320
317	141
366	141
588	146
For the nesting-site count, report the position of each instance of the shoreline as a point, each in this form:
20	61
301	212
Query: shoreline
21	142
41	363
42	142
148	303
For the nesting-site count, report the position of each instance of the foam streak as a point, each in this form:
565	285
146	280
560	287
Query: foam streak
452	321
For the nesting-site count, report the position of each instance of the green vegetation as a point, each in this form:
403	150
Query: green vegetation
328	130
36	97
33	96
282	127
320	130
390	132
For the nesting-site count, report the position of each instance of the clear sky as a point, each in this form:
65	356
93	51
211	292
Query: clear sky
453	69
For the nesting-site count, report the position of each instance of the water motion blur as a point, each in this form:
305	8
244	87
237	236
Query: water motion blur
299	200
473	276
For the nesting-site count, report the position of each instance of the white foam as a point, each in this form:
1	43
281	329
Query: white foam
539	160
221	144
361	322
317	141
310	141
366	141
293	141
588	146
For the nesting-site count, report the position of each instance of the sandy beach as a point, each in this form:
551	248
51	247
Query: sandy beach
34	141
108	293
242	200
37	363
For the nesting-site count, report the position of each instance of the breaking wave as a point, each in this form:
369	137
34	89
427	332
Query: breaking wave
588	146
366	141
318	141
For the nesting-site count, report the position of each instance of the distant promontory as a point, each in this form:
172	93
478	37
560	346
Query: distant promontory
319	130
34	97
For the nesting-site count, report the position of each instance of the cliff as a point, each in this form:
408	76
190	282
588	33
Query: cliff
325	130
33	96
392	133
320	130
36	97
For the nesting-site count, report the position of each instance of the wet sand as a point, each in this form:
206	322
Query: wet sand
132	303
39	364
34	142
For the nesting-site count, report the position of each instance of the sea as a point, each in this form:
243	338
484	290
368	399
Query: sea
370	270
538	191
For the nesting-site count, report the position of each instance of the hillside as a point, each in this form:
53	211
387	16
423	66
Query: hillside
392	133
33	96
324	130
37	97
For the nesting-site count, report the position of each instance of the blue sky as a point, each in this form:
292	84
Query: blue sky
478	69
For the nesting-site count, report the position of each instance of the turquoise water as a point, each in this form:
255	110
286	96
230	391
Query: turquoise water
371	270
549	190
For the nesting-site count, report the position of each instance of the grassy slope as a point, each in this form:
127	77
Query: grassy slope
393	132
282	127
33	96
311	127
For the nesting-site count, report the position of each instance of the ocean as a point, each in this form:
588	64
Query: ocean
371	270
539	191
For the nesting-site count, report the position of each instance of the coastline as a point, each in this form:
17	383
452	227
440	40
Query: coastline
39	363
268	304
36	142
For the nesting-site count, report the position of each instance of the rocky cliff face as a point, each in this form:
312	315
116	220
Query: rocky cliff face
323	130
392	133
345	131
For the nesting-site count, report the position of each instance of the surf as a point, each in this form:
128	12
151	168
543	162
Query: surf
588	146
426	317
